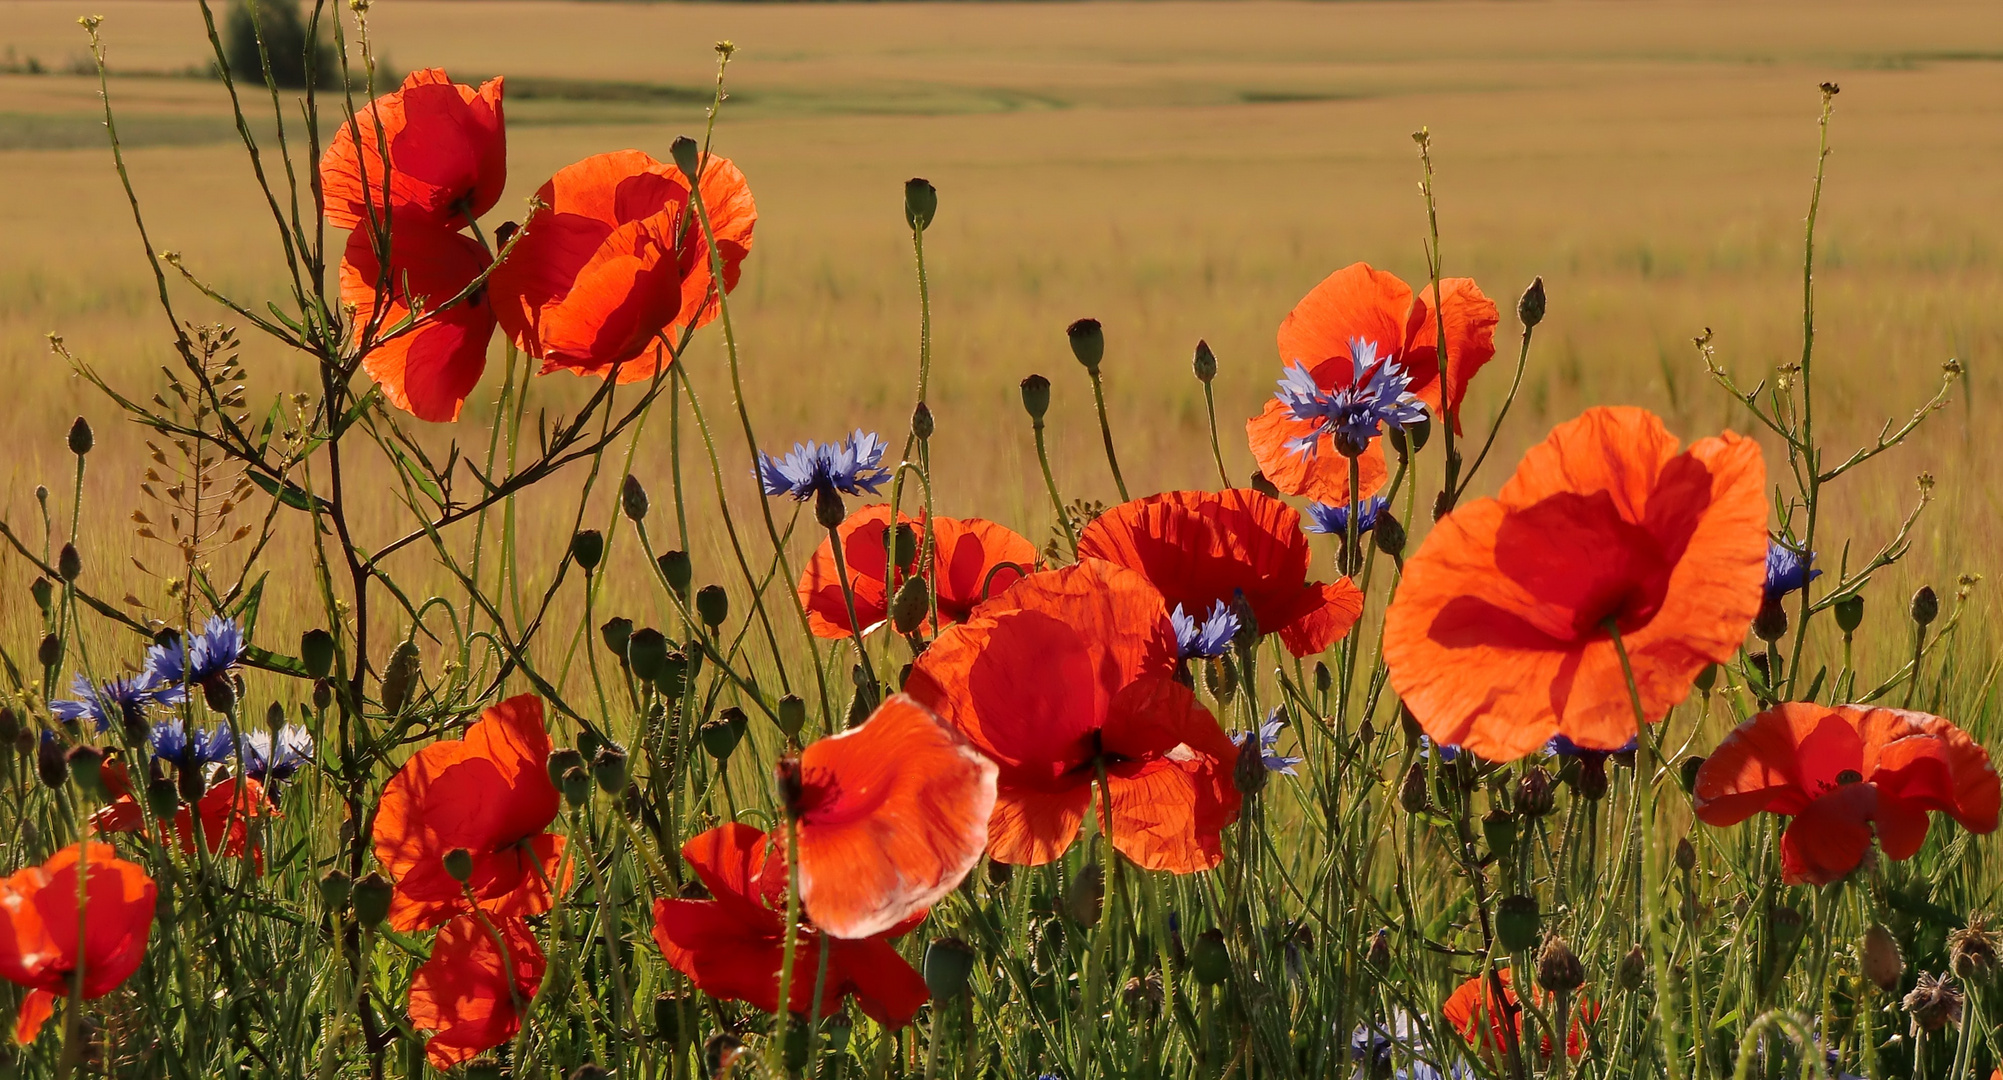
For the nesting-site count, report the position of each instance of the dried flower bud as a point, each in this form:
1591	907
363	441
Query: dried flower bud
1209	959
1558	971
1926	604
398	676
1880	957
921	202
1530	307
1250	772
1205	364
1971	950
1088	343
1633	969
949	963
1934	1002
633	498
1770	624
1389	535
1143	996
1036	397
1686	855
712	605
51	764
372	898
1516	922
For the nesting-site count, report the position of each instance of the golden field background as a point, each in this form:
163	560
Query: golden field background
1178	170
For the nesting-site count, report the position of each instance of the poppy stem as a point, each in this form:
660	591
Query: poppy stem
1216	451
1050	483
1106	432
848	600
775	1054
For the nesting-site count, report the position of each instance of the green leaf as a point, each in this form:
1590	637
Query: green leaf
417	476
289	493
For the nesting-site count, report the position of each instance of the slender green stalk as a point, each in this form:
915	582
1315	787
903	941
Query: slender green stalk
1106	432
1652	766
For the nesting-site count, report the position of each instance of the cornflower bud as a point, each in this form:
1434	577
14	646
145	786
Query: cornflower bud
1686	855
51	765
10	726
50	652
1205	364
1770	625
1379	954
1530	307
1633	969
1558	971
69	563
1412	793
81	439
1389	535
633	498
829	510
1533	792
1926	604
1250	772
1088	343
921	421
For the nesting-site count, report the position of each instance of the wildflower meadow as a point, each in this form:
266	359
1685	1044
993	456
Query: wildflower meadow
1394	758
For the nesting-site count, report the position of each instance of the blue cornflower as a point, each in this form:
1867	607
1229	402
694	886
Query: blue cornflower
1788	569
1334	520
122	699
850	467
174	666
1353	415
1211	637
1370	1046
1269	736
265	760
1561	746
1448	751
171	740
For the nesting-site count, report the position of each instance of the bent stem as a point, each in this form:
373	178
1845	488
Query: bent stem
1665	1013
1106	432
1050	483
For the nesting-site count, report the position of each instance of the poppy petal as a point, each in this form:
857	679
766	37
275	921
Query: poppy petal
1356	303
1034	826
36	1008
429	368
1323	475
1327	611
865	557
1470	332
466	991
447	156
885	985
1830	836
976	561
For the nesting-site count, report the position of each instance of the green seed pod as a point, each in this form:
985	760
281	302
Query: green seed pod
910	607
44	593
906	546
458	865
609	768
674	674
587	547
720	737
398	678
1530	307
1086	896
687	155
921	201
712	604
562	760
1498	827
1088	342
1036	397
616	633
792	715
949	962
69	563
316	652
484	1068
576	785
81	439
1516	922
1850	612
335	888
1926	603
1209	959
633	498
372	898
678	570
590	1071
797	1052
86	765
836	1030
646	651
1707	678
1205	364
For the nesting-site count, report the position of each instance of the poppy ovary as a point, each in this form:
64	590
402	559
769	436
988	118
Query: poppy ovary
458	865
792	786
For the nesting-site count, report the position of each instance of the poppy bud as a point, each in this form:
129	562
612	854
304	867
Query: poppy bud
1322	678
1686	855
576	786
50	653
372	898
1086	895
1412	793
10	726
617	633
1389	535
1205	363
1706	679
1850	613
1036	397
646	651
69	564
1686	773
921	201
1770	625
948	964
458	864
335	888
1516	922
921	421
43	592
1591	779
1088	343
162	797
1933	1002
1880	955
1633	968
836	1029
562	760
1530	306
720	736
24	743
1558	971
678	571
905	546
1926	603
860	705
687	154
86	764
316	652
397	678
674	674
1533	792
909	608
51	765
1971	950
1250	772
609	769
323	694
712	605
1262	485
668	1019
1498	827
792	715
1209	959
1000	874
828	507
633	498
81	440
1417	433
587	546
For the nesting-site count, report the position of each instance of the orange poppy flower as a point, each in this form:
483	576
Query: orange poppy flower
1497	638
489	794
731	945
1201	547
892	815
1474	1012
38	929
1070	672
448	156
428	369
463	991
1360	306
225	809
976	558
616	258
1840	770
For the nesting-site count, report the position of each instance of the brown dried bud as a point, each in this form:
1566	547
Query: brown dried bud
1971	950
1934	1002
1558	970
1533	792
1633	969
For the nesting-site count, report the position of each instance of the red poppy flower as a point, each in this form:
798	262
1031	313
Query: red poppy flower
489	794
617	257
892	815
1474	1012
463	991
1497	638
38	928
1840	770
1360	305
1200	547
1069	672
976	559
225	808
731	946
428	369
448	156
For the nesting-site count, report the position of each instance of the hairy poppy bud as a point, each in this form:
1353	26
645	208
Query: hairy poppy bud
561	760
81	439
69	563
458	865
372	897
1850	613
1389	535
712	604
720	736
678	571
43	592
1221	676
1498	827
1633	969
1209	959
1686	855
335	887
921	421
792	715
1880	956
646	651
1409	439
910	606
576	787
1323	678
687	154
617	633
674	674
323	694
220	693
921	201
51	765
1036	397
1205	364
1533	792
1706	679
316	651
1530	306
633	498
50	652
1516	922
1558	971
1412	793
609	769
587	546
398	676
904	546
1086	895
86	764
1926	603
949	962
1088	343
829	510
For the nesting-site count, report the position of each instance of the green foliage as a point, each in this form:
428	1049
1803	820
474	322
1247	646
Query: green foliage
275	32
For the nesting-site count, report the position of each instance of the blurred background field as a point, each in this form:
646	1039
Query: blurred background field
1178	170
